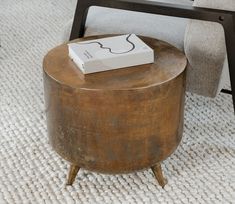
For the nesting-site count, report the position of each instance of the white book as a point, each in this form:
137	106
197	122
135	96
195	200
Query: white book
110	53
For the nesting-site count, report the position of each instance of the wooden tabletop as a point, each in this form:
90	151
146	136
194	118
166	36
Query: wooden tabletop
169	63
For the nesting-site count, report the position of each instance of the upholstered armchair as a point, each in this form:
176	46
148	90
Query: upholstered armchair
202	41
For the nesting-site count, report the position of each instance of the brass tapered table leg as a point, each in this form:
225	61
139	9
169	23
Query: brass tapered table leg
72	173
157	170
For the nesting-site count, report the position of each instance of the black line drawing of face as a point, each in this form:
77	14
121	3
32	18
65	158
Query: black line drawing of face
109	49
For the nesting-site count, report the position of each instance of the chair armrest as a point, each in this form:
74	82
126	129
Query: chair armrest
206	51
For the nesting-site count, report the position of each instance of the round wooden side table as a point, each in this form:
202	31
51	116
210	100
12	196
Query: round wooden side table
116	121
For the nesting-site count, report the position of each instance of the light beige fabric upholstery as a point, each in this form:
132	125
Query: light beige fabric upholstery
206	51
216	4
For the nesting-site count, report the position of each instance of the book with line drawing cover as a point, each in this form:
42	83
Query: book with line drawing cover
110	53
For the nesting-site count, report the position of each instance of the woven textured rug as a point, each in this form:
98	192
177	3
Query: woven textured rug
202	170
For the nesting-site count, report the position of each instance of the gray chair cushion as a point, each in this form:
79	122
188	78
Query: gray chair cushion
228	5
206	52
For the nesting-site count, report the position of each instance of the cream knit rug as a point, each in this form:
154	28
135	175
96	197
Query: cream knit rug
202	170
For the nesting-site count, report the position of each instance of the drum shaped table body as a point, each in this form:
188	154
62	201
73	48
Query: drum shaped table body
116	121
